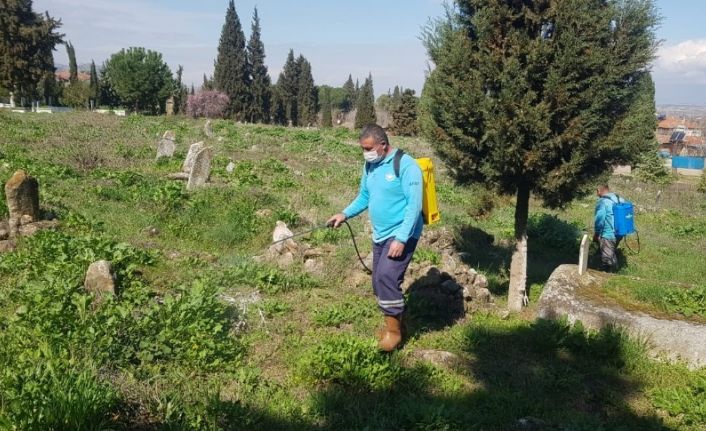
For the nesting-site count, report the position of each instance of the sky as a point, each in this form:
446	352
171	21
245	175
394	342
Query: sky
381	37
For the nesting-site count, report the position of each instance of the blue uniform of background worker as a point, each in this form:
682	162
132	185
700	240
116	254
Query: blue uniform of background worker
394	206
604	227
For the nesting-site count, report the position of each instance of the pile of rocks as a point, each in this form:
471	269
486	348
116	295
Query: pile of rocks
22	194
285	252
451	285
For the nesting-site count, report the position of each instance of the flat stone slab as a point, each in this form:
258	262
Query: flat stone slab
674	340
181	176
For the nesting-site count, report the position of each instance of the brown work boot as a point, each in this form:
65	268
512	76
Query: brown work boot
392	334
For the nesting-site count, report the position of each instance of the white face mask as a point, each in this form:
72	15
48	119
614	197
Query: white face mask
372	156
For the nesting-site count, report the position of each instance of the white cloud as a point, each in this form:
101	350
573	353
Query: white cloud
685	60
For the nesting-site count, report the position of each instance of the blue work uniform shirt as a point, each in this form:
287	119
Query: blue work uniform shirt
394	204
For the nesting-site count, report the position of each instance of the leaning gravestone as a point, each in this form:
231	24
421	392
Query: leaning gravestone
191	155
22	193
201	169
166	145
583	255
207	129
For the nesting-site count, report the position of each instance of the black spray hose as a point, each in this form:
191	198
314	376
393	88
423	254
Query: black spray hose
368	270
637	234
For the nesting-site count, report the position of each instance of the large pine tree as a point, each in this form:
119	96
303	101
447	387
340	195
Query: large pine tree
232	72
365	106
260	86
306	93
26	39
534	98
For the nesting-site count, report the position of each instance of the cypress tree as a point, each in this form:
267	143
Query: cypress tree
326	116
357	93
349	100
279	107
26	42
529	97
207	84
365	113
396	97
232	72
181	92
193	90
288	88
404	114
306	93
94	85
73	66
260	87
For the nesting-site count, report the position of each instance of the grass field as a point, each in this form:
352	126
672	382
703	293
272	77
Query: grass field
203	336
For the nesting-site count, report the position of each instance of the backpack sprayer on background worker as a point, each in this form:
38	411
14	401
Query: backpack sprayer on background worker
624	221
430	207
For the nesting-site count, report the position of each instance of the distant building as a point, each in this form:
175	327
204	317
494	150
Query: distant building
63	76
680	137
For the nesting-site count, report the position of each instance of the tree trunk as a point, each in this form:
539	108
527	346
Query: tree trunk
518	266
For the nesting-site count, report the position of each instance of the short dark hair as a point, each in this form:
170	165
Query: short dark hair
376	132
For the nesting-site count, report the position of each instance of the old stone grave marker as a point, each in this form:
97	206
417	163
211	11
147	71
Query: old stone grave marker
166	145
22	194
583	255
201	169
191	155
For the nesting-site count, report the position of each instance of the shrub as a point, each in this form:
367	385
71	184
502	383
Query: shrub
553	232
209	104
651	169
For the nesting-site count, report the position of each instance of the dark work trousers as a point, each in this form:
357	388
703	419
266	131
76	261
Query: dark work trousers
609	257
388	275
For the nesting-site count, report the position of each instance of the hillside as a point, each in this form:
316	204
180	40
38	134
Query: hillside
206	334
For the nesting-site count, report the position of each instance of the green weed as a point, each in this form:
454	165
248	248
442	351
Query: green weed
427	255
265	278
275	307
687	402
351	362
337	315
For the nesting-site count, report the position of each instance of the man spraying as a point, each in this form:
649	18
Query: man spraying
394	204
604	227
